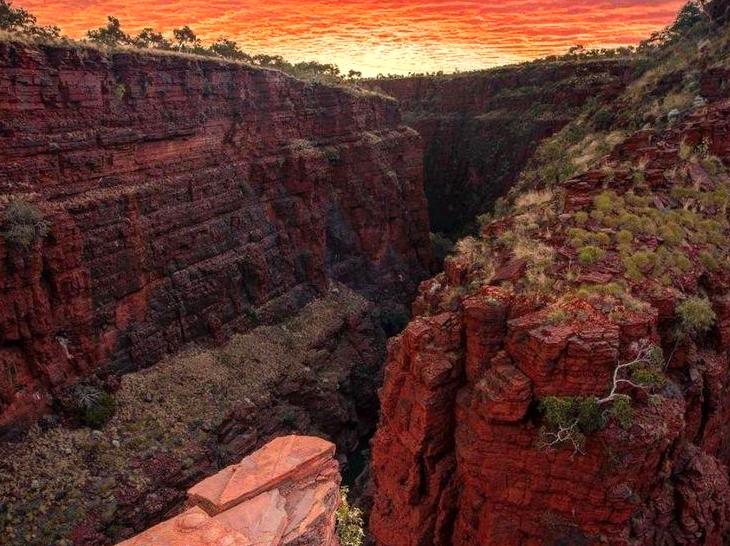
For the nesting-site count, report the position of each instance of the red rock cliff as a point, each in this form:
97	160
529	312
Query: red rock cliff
461	457
480	129
187	198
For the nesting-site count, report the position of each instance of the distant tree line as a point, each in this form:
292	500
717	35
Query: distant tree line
183	40
693	21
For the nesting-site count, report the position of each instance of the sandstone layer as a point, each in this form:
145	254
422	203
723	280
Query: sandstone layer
480	129
187	199
286	493
547	303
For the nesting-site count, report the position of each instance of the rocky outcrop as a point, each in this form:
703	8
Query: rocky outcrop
285	493
464	453
187	199
190	415
480	129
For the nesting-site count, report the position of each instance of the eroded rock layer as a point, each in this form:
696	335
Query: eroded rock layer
548	303
187	199
286	493
480	129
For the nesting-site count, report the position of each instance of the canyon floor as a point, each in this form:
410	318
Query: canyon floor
173	424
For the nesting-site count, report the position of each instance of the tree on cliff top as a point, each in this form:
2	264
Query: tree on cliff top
186	39
229	49
19	20
111	35
150	38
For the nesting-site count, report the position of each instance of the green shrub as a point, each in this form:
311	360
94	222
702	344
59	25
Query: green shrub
578	237
24	223
695	316
624	237
507	239
349	522
558	411
590	254
622	412
602	239
638	176
581	217
672	234
639	263
605	201
598	215
709	261
649	376
94	406
590	416
557	316
562	411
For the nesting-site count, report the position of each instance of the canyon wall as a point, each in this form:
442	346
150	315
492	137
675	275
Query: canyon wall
464	453
187	198
480	129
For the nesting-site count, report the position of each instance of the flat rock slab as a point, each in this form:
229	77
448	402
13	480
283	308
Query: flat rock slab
285	493
283	459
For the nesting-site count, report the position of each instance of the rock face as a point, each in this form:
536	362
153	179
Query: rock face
480	129
461	455
286	493
187	198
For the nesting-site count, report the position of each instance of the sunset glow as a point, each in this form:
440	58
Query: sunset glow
382	36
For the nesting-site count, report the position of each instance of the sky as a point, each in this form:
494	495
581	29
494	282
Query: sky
382	36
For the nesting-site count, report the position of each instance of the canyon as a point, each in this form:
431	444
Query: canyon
232	256
480	129
524	316
187	199
226	249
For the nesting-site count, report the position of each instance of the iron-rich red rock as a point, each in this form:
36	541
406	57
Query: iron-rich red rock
459	457
187	198
480	129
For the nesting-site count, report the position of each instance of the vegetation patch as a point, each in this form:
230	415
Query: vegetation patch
696	316
569	420
349	522
24	223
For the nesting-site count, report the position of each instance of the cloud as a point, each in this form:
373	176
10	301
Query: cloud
387	36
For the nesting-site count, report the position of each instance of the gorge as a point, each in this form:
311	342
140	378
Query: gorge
212	312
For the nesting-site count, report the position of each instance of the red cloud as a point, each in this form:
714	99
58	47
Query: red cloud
382	35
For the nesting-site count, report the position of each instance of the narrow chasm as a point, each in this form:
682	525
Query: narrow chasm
440	275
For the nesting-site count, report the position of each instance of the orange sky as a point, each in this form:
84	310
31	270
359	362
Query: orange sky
386	36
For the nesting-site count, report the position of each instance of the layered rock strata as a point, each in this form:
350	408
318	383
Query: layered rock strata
480	129
286	493
186	199
464	452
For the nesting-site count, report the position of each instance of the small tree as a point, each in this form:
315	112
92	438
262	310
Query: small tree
19	20
185	38
568	420
110	35
229	49
24	223
150	38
